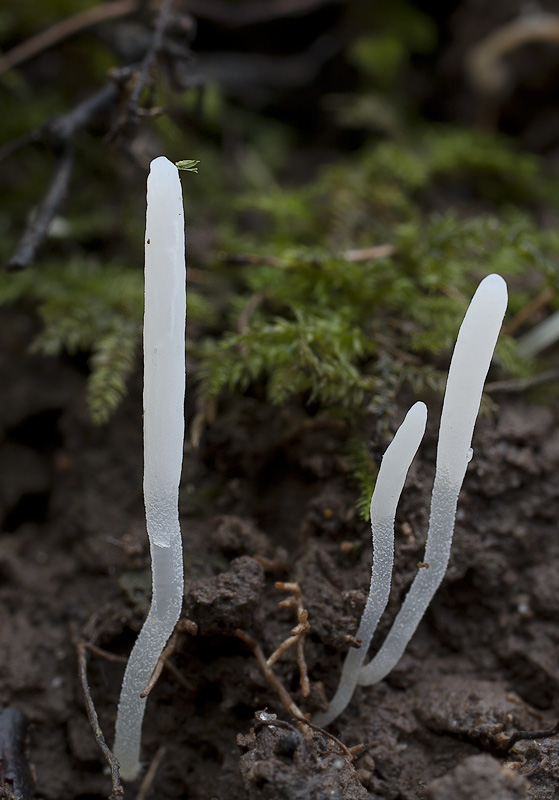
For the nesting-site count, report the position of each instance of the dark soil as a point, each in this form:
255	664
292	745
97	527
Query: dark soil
269	497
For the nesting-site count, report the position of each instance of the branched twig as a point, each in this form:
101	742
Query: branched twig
152	53
272	679
304	724
114	766
132	112
296	636
60	131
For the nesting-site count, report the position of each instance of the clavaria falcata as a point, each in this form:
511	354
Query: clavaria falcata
468	369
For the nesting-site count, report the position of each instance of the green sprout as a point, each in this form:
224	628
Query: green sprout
187	166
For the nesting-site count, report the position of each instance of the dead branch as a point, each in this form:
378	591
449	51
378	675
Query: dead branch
152	53
37	229
63	29
505	743
59	132
272	679
16	781
117	790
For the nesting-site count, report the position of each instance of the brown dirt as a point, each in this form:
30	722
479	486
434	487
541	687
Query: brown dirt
274	483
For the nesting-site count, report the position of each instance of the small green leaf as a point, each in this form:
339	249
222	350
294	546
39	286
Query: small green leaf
188	166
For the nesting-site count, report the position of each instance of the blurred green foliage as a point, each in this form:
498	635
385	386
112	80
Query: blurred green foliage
292	311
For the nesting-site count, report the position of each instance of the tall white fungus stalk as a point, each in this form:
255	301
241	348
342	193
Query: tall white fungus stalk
468	369
164	388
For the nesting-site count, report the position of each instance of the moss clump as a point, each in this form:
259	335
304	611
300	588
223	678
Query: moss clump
347	330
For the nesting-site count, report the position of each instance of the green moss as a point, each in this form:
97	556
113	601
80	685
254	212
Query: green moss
348	333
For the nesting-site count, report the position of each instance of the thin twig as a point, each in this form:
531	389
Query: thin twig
296	636
37	229
61	129
114	766
303	670
290	706
506	743
149	777
272	679
349	751
525	314
132	114
108	656
517	385
58	131
183	626
374	253
272	565
244	317
15	773
152	53
63	29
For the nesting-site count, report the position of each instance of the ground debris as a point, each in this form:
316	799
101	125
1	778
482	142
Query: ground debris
541	768
282	764
229	601
473	709
479	776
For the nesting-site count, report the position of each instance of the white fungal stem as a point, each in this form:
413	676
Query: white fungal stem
468	369
164	388
388	488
